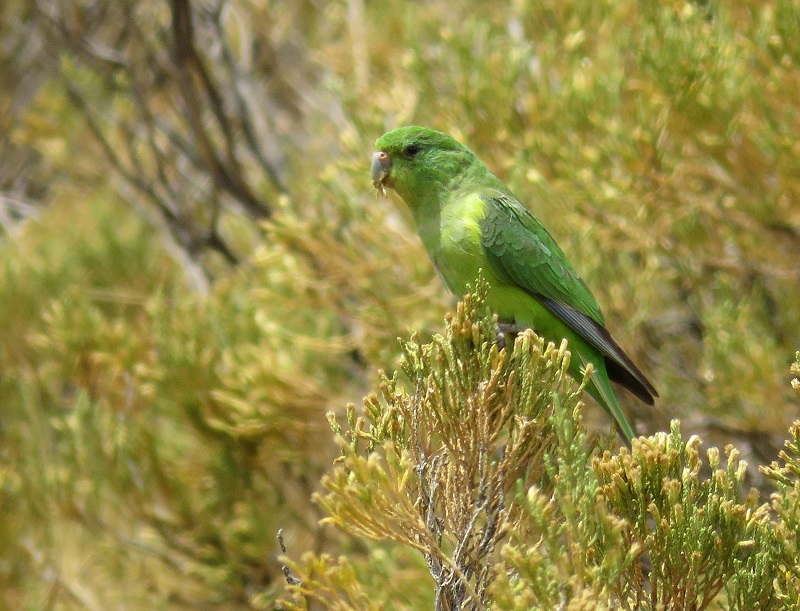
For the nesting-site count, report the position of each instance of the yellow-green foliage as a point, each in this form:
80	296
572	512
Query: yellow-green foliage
641	529
194	271
432	469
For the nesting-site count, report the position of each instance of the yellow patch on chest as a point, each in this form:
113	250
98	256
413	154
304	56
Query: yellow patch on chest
459	254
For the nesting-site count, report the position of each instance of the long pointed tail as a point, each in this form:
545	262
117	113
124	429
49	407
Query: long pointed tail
600	388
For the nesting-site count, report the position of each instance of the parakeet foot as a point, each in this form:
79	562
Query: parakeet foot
506	330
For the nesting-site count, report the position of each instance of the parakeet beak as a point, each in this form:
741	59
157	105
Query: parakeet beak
381	167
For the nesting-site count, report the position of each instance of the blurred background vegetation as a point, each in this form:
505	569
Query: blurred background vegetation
194	268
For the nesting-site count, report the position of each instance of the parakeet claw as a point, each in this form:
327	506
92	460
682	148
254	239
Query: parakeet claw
506	330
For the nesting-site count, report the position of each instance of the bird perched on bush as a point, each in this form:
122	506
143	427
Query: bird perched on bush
470	221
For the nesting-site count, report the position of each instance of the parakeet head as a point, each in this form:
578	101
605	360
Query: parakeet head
417	162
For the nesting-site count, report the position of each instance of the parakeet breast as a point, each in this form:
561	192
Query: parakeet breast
453	238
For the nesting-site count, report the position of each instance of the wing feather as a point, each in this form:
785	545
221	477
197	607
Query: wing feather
521	250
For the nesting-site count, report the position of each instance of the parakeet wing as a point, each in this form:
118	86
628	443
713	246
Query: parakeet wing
521	250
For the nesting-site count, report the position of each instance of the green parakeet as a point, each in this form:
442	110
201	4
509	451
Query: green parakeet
469	221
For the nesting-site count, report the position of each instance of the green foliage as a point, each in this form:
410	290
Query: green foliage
489	448
698	532
795	369
432	468
193	271
786	505
567	547
331	583
114	448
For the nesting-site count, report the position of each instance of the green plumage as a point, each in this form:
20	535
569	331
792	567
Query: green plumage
469	221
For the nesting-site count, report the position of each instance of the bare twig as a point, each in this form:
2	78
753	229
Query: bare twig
287	573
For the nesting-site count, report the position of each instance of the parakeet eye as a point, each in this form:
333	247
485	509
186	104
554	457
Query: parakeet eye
411	150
